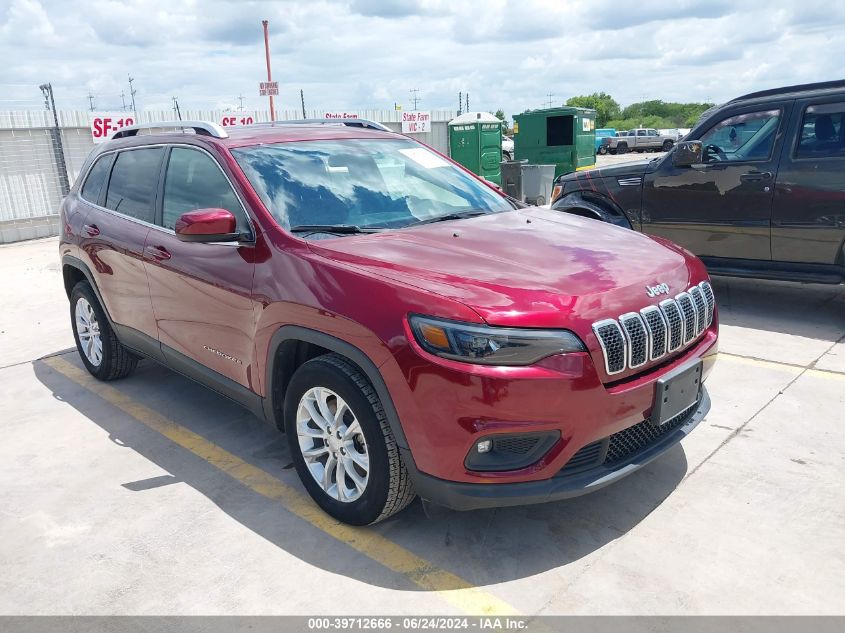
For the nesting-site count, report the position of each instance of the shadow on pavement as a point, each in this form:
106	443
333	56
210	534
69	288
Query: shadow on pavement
814	311
484	547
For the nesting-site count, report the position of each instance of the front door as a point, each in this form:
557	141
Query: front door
721	208
201	293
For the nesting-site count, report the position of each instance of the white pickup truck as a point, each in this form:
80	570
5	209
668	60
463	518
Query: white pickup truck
639	140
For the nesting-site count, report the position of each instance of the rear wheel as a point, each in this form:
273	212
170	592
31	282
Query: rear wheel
506	156
341	443
602	149
622	148
667	145
102	354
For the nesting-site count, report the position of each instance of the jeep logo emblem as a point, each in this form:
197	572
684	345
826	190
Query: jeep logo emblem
659	289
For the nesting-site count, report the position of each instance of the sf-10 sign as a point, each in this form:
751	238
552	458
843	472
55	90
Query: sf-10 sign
241	118
416	122
104	124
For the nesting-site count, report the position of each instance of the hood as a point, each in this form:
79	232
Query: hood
634	168
528	268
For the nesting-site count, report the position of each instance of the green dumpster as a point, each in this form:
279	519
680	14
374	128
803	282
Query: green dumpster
562	136
475	141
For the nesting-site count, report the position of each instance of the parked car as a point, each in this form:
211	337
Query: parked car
601	134
507	147
410	328
640	140
757	191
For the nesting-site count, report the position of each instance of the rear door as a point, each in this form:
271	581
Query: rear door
723	207
808	216
201	293
121	212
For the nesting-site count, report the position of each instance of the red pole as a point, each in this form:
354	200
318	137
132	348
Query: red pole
269	75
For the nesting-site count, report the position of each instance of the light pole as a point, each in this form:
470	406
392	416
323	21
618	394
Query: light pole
56	138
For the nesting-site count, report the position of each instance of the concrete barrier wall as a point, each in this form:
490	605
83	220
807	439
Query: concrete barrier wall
31	183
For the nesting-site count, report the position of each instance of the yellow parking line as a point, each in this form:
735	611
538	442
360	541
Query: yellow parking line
454	589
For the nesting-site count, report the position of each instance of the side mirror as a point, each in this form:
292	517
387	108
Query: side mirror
687	153
207	225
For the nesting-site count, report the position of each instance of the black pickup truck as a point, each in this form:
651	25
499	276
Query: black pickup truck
756	189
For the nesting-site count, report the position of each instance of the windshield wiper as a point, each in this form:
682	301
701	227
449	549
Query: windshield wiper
461	215
340	229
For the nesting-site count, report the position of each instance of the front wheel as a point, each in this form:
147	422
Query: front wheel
102	354
342	446
667	145
506	156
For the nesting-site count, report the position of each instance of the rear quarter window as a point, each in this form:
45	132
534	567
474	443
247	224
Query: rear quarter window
93	186
822	132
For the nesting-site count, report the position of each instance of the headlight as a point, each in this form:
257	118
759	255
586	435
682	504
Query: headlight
486	345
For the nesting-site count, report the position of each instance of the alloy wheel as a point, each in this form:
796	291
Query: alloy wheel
88	331
332	444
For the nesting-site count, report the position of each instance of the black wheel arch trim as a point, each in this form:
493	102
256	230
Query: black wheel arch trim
597	199
354	354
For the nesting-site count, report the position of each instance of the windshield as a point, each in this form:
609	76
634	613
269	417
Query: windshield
366	183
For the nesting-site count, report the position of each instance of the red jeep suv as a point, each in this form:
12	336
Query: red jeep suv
411	329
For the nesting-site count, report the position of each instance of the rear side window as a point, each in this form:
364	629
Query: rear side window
194	181
96	179
822	131
132	186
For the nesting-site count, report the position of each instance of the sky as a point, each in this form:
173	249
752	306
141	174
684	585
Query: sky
359	54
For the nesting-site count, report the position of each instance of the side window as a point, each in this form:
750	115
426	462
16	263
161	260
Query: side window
743	137
132	186
194	181
641	132
96	179
822	131
652	132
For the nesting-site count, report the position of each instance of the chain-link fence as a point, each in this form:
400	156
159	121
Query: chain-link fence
37	165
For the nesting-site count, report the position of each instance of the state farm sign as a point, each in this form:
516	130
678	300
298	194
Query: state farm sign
104	124
416	122
340	115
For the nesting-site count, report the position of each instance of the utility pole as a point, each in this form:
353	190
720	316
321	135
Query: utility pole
550	96
302	100
266	26
415	97
123	99
90	101
460	103
132	92
56	138
176	109
467	108
240	98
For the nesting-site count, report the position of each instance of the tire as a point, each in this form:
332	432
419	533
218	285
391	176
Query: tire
602	150
506	156
622	148
86	314
387	486
612	151
667	145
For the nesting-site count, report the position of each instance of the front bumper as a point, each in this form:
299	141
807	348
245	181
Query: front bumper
472	496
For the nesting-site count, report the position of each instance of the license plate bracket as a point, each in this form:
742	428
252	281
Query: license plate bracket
675	392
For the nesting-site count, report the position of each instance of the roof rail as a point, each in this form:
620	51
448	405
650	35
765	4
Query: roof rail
202	128
822	85
350	122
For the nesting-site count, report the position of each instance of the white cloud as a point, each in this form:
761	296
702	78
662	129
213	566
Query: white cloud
357	54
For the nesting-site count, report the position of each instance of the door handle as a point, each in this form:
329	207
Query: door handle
92	230
756	176
158	253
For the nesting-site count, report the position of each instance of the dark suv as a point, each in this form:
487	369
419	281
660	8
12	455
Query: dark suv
409	327
757	190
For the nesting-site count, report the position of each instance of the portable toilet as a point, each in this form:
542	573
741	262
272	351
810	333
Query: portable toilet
561	136
475	141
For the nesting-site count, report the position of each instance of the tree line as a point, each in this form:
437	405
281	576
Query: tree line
654	113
